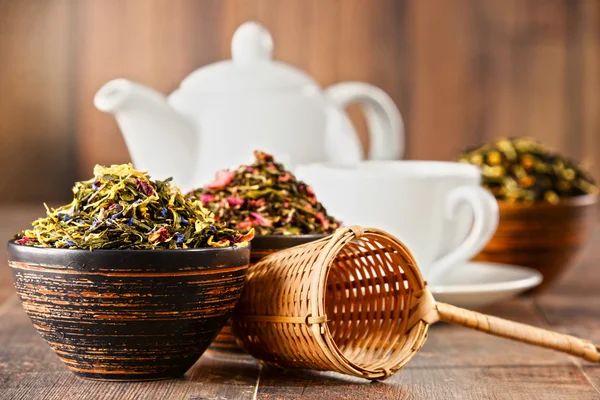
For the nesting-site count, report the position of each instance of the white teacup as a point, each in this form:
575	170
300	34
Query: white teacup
425	204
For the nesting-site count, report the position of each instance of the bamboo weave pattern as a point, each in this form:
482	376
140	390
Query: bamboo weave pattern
343	303
356	303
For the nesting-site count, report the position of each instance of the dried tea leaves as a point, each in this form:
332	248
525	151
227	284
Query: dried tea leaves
122	208
266	197
525	170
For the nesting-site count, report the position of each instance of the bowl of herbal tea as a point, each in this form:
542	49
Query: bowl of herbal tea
267	198
131	280
547	205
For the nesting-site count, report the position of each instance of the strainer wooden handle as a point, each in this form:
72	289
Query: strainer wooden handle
519	332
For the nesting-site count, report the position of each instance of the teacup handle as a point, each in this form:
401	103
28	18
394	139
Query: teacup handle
485	222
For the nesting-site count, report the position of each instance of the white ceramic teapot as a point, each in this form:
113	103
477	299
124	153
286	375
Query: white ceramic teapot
224	111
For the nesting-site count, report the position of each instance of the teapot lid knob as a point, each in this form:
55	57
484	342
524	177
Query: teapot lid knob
251	42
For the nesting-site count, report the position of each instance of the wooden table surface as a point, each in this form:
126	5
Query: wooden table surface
455	363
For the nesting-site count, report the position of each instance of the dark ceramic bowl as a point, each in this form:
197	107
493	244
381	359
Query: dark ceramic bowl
128	314
262	246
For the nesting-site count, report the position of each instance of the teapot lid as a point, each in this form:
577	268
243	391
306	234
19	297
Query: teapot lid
250	69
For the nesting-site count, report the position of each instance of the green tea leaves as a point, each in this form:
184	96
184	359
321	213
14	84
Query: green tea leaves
525	170
122	208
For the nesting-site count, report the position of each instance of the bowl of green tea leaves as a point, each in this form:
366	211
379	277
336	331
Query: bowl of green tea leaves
122	208
524	170
131	280
266	197
547	204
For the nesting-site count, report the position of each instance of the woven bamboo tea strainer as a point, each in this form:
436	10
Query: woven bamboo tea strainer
356	303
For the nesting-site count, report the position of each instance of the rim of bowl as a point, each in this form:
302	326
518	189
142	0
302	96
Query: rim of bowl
12	244
264	241
162	260
581	200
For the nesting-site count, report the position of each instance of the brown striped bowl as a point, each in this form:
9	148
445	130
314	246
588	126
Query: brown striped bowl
549	238
262	246
128	314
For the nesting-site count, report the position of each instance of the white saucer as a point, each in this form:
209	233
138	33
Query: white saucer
477	284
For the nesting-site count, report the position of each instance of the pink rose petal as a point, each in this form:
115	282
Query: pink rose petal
24	240
145	187
235	201
285	177
222	178
243	225
159	236
206	198
261	220
323	220
245	238
256	203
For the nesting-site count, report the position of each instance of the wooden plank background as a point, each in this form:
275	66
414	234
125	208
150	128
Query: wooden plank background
460	71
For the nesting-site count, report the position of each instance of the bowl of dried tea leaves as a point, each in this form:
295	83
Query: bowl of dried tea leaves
131	280
266	197
547	204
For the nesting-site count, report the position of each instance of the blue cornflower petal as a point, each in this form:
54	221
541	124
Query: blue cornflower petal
65	217
163	212
184	221
70	242
179	238
130	222
117	215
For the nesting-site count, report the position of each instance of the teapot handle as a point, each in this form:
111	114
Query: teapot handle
386	129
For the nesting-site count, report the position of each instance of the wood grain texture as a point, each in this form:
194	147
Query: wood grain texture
523	333
589	13
449	347
490	382
461	72
12	220
581	278
36	109
156	43
444	85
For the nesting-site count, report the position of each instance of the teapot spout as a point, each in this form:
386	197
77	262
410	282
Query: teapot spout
159	139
